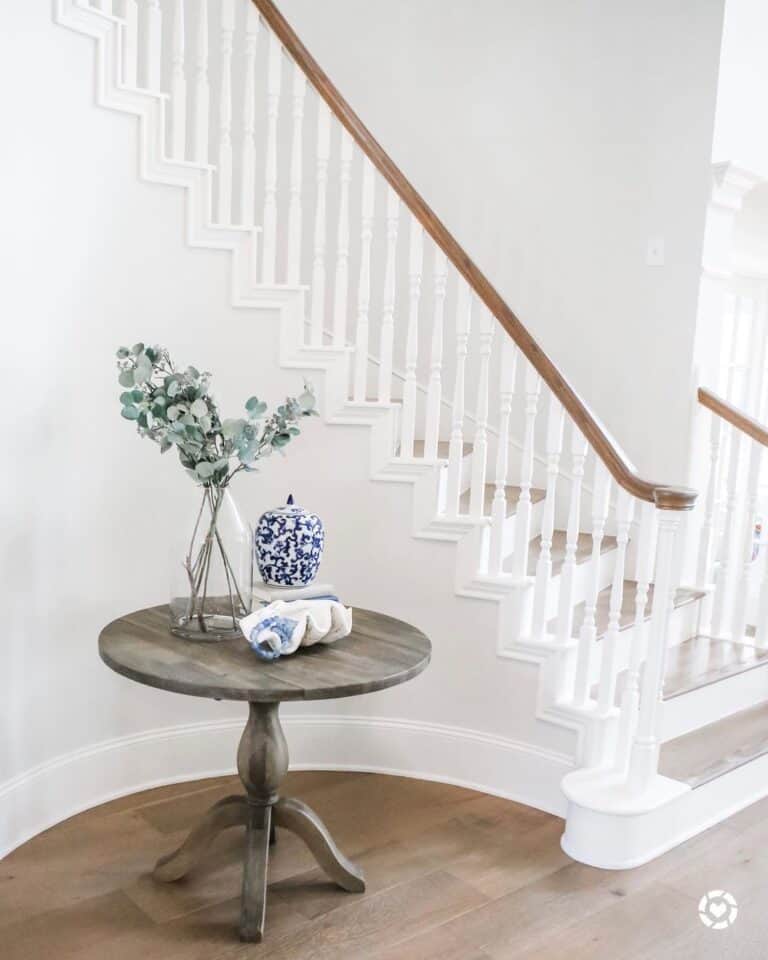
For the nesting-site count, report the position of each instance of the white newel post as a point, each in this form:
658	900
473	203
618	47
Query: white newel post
555	422
480	442
524	502
507	369
178	86
434	390
723	595
153	41
364	284
224	156
298	92
408	412
601	488
456	445
705	572
248	149
565	599
644	758
317	309
741	595
201	86
269	223
388	306
606	698
341	282
131	44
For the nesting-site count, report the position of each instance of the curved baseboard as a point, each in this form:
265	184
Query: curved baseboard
53	791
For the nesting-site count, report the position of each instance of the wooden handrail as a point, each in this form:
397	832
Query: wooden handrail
665	497
733	415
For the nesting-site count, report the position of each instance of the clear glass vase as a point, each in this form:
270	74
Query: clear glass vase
212	578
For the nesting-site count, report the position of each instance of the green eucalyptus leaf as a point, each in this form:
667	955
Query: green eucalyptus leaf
126	398
143	371
126	378
173	412
199	408
165	445
137	348
122	353
130	413
205	470
205	424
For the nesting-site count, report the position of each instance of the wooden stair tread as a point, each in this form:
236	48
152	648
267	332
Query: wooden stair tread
707	753
512	492
583	550
701	661
443	448
683	596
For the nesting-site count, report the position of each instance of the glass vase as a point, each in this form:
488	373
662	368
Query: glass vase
212	579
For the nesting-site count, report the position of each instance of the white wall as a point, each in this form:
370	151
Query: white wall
555	139
741	133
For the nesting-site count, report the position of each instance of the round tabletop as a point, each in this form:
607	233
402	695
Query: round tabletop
380	652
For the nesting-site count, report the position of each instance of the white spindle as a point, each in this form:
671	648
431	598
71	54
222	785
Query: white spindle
299	90
388	306
555	420
341	282
224	161
707	540
269	223
499	506
630	695
408	412
435	389
741	598
131	44
178	86
567	573
317	310
480	442
524	502
625	507
761	627
601	488
456	445
645	747
364	284
724	578
201	86
248	150
153	42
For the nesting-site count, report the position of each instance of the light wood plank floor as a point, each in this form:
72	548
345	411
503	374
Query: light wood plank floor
452	875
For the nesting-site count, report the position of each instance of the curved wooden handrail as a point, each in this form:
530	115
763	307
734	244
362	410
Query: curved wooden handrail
733	415
665	497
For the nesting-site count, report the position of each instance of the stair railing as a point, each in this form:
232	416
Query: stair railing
292	164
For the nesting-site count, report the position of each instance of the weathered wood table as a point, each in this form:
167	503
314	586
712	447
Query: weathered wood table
381	652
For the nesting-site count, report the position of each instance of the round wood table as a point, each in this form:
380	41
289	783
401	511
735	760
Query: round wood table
380	652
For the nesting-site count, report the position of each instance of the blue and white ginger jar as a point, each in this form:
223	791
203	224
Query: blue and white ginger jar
288	544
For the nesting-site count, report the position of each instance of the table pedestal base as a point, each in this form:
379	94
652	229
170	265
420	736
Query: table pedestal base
262	762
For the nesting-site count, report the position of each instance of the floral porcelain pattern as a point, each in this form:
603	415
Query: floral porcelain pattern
289	545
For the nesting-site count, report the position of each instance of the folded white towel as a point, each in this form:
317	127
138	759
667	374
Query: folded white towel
285	625
269	593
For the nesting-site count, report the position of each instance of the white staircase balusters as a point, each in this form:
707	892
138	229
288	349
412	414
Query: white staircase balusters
564	627
317	309
708	534
202	87
723	595
480	442
434	388
131	44
224	155
524	502
248	148
644	757
507	370
269	221
386	343
555	420
178	85
408	412
153	45
341	283
364	284
745	547
606	697
456	444
601	488
298	92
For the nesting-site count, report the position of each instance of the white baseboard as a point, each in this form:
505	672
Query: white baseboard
60	788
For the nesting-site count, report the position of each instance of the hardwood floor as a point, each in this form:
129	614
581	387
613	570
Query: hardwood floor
452	875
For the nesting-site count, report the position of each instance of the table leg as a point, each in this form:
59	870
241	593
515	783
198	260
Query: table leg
254	898
229	812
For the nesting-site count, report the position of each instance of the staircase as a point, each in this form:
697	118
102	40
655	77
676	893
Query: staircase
644	620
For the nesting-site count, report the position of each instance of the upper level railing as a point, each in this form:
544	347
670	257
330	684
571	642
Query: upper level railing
665	496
